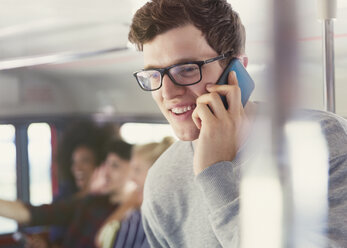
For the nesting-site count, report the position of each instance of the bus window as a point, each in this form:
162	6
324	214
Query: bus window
140	133
7	173
40	160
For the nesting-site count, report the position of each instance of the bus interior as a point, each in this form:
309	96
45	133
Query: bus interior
63	61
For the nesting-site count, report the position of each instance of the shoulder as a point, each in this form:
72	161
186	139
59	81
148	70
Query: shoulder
334	128
324	117
177	148
172	171
172	163
178	153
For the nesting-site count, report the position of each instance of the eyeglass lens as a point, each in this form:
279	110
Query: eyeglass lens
182	74
149	79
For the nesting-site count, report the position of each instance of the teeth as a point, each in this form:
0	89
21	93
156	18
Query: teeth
181	110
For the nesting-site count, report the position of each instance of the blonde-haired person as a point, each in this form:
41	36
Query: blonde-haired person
124	227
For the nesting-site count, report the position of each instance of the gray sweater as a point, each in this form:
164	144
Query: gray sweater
181	210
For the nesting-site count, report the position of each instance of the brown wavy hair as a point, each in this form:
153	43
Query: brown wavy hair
216	19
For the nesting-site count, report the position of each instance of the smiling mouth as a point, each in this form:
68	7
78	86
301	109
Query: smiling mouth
182	110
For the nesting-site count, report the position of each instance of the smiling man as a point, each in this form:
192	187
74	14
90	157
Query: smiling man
191	195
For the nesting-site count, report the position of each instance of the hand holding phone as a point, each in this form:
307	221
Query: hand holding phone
227	135
245	82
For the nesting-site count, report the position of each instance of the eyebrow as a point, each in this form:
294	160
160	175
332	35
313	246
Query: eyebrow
180	61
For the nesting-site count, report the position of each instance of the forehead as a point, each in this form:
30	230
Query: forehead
82	151
177	45
137	157
113	157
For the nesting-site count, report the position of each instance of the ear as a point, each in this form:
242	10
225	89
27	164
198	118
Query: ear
244	60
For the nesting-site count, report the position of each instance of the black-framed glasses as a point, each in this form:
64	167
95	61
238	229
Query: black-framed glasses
183	74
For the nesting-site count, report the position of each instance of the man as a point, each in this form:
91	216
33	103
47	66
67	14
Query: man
191	196
82	216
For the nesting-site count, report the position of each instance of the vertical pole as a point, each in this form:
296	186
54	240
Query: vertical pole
23	184
327	13
329	65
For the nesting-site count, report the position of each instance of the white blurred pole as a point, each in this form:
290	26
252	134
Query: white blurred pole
261	194
327	13
283	94
266	197
308	174
288	176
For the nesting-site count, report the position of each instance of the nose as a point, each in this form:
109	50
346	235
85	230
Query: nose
76	166
106	168
171	90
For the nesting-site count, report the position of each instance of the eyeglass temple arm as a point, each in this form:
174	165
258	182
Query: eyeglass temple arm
223	56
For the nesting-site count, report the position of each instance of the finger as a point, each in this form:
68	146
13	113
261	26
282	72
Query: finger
196	118
232	78
232	94
234	100
234	97
223	88
202	114
214	102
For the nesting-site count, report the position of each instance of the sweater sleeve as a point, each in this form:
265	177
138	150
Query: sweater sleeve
335	130
153	233
337	218
220	186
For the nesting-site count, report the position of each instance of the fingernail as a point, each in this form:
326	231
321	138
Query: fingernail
209	85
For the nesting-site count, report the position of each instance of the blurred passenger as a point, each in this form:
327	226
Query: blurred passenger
80	152
82	216
124	227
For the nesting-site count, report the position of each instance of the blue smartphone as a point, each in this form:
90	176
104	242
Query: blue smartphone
246	83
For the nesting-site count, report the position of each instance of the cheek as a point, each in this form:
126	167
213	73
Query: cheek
91	167
88	169
112	174
156	95
211	74
145	172
136	179
144	175
198	89
122	174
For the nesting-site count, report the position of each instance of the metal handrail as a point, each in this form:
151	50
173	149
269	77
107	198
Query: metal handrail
55	58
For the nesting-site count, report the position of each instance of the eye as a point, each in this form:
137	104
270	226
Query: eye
187	70
155	75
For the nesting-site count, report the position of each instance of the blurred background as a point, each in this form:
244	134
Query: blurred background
62	61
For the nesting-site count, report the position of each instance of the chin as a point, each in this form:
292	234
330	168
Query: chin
80	185
188	135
